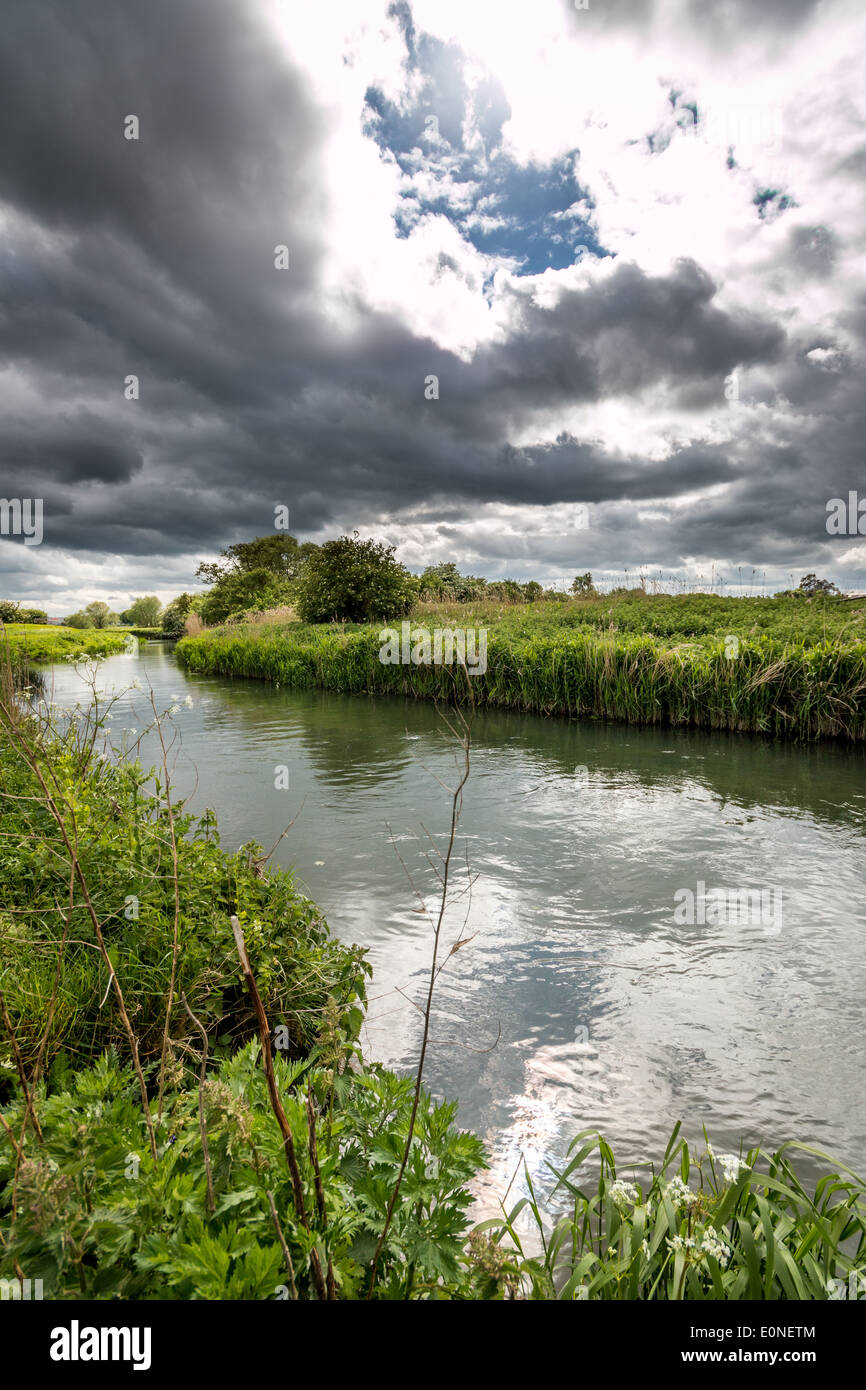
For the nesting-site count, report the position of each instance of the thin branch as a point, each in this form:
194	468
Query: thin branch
287	1256
276	1103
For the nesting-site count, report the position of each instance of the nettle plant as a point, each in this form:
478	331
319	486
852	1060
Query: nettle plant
97	1216
724	1226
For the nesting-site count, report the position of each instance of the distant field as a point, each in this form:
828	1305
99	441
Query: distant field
40	644
681	616
792	667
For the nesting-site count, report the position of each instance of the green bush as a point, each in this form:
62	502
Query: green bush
97	1218
354	580
175	615
246	590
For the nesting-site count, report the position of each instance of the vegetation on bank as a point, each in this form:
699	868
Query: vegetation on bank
43	645
185	1111
790	666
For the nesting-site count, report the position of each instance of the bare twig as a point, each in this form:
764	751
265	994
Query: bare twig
175	943
287	1255
276	1103
456	805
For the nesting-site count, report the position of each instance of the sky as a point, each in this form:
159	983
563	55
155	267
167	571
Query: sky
538	289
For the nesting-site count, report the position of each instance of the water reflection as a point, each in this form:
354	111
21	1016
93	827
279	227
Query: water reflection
607	1013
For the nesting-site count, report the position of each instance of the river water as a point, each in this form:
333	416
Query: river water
583	999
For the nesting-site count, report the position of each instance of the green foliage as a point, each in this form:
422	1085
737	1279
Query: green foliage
143	612
702	1227
279	553
175	615
811	585
582	585
353	580
12	612
100	614
120	819
246	590
98	1218
78	620
47	644
445	584
797	668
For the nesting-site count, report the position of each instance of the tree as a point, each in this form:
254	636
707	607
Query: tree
143	612
354	580
582	585
445	582
175	615
100	614
253	576
279	554
811	585
79	619
245	591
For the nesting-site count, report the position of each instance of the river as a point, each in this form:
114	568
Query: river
582	999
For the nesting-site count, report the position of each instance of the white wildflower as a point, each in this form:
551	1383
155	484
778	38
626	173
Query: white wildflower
675	1242
681	1194
732	1167
623	1193
188	702
710	1244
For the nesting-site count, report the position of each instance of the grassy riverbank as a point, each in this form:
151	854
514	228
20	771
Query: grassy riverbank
792	667
40	644
143	1143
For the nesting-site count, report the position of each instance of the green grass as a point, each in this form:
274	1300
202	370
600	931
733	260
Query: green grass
701	1226
34	642
120	821
796	668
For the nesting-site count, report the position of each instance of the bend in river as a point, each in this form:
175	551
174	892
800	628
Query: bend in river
580	1001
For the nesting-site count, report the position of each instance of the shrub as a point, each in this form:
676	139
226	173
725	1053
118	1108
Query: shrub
79	620
241	591
175	614
353	580
155	1236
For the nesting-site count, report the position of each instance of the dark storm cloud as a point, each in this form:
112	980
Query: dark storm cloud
155	258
